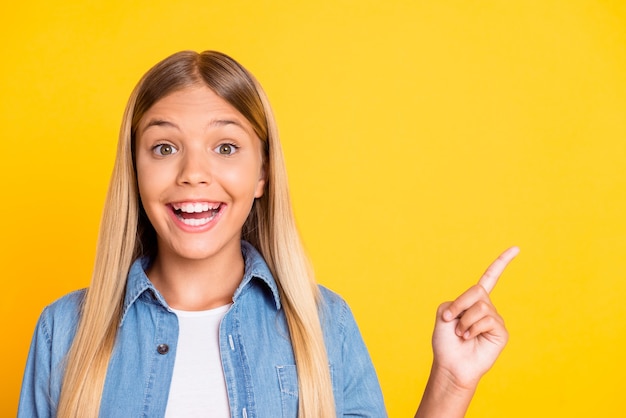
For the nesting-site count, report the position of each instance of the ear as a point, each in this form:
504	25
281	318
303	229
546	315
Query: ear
260	186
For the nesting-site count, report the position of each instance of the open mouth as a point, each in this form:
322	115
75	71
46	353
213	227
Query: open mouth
196	213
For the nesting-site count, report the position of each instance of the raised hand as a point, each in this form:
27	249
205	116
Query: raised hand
469	333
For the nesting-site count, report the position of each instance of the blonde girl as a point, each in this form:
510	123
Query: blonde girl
202	302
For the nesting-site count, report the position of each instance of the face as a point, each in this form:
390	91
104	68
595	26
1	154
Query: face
199	169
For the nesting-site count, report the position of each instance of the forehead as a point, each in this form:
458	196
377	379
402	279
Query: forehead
195	103
197	98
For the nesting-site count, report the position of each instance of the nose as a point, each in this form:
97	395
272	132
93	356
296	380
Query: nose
194	169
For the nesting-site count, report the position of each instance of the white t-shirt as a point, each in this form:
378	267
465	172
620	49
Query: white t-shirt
198	388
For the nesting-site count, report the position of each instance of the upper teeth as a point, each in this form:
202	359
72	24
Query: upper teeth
196	207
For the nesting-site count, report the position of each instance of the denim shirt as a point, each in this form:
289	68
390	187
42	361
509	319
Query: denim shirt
255	348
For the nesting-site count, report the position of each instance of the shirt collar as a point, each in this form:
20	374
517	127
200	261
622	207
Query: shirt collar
255	267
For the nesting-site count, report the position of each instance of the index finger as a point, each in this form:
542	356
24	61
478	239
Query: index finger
492	274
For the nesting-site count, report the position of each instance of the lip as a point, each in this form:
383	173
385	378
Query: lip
196	222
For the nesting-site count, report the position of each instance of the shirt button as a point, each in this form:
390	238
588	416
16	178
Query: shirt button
163	348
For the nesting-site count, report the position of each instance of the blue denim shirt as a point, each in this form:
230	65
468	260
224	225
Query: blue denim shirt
256	352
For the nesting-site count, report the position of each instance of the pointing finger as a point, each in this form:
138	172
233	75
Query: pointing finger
493	272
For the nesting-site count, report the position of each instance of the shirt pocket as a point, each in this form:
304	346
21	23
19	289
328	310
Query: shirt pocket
288	382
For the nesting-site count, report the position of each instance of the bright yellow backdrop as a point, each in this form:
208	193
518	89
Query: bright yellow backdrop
422	137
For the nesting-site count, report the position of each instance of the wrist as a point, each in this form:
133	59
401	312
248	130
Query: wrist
445	396
459	382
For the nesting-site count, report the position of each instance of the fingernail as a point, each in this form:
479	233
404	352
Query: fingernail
466	335
447	315
458	332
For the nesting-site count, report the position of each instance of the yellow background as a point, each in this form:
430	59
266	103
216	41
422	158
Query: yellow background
422	138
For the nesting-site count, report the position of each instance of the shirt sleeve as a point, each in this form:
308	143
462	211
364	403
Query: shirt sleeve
35	397
362	395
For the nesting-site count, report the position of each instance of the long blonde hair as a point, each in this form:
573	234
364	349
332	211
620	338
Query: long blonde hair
126	234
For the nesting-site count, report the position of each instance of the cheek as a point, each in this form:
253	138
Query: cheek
148	182
242	180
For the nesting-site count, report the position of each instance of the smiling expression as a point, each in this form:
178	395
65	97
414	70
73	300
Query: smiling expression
199	169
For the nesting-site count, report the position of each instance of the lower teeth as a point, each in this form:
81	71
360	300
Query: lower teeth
196	221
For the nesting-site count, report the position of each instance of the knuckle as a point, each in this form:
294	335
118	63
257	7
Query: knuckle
491	322
483	307
441	308
478	291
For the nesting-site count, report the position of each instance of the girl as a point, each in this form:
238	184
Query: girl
202	302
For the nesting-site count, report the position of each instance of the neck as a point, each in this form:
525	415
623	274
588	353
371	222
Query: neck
195	285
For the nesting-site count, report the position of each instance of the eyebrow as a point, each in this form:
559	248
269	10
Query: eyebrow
225	122
213	124
159	122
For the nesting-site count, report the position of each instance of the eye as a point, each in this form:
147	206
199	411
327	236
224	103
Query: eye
164	149
226	149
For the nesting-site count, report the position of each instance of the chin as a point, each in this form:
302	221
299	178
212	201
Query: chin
203	252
